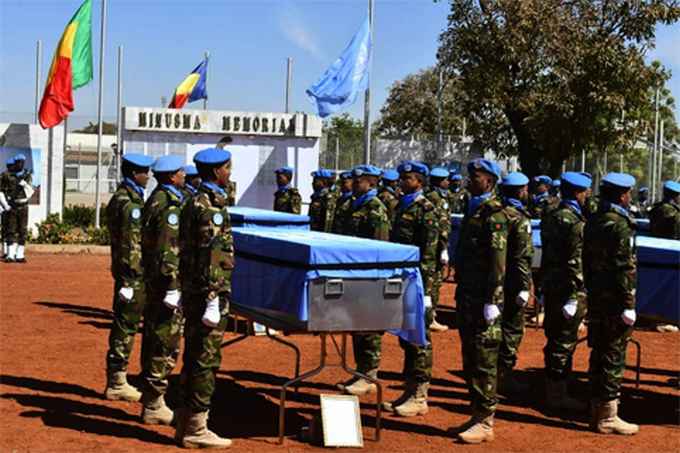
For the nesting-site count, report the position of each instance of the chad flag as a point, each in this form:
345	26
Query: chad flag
71	68
192	88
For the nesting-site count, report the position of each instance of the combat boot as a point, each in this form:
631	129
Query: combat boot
557	397
416	404
508	384
360	386
480	430
608	421
436	327
197	434
117	388
156	412
409	389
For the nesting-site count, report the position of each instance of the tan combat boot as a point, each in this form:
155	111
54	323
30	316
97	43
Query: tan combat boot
118	389
480	430
416	403
156	412
360	386
436	327
197	434
608	421
557	397
389	406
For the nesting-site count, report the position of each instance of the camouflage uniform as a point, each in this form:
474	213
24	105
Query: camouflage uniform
640	209
343	209
390	199
288	200
561	264
517	279
480	273
458	201
538	204
443	224
124	217
231	193
664	220
610	268
590	207
207	249
321	210
16	222
162	325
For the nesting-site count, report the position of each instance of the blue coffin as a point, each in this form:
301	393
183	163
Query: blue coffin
253	217
658	291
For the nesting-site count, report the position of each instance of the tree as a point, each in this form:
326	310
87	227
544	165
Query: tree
559	74
93	128
349	133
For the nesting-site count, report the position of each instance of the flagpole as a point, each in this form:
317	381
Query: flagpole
367	96
289	82
205	100
38	70
119	113
100	105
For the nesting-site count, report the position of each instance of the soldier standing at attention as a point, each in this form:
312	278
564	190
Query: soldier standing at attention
124	218
610	269
640	209
343	205
192	181
231	193
541	198
415	223
438	194
480	272
367	218
207	249
4	206
388	191
563	288
664	218
162	315
458	195
517	286
18	191
286	198
322	206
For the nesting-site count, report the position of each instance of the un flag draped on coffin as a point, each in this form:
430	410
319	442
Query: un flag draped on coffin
346	78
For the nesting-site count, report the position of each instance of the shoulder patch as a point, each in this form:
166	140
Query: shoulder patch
136	214
218	218
173	219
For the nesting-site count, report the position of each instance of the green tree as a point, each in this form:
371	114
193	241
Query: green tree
348	134
93	128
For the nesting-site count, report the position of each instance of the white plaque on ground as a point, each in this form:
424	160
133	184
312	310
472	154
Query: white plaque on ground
341	421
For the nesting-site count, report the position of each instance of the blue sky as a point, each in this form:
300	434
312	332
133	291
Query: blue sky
248	41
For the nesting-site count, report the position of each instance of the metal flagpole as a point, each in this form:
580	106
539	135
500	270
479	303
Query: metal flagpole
367	96
38	76
440	89
63	190
205	101
100	106
652	158
583	160
659	171
289	81
119	113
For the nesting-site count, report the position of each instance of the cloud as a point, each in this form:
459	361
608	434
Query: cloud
292	24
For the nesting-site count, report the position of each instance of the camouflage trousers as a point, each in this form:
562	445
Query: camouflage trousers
126	318
367	348
437	280
512	328
608	337
202	352
480	344
17	225
561	334
162	335
418	359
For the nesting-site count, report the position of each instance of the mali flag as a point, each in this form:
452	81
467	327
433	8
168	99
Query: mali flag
71	68
192	88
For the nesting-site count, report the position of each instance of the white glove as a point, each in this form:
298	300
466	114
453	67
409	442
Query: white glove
427	301
126	294
522	298
444	259
172	299
629	316
569	308
23	183
3	202
211	316
491	312
28	189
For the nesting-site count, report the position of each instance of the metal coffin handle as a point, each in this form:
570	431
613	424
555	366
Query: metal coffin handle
334	288
394	287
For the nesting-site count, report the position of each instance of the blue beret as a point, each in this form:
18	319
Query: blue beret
673	186
212	156
410	166
19	157
556	183
485	165
139	160
9	161
516	179
322	173
168	164
578	180
643	189
439	172
284	170
390	175
455	177
366	170
346	175
190	170
621	180
542	179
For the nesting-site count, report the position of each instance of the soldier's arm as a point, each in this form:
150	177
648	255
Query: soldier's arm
429	235
216	245
296	202
330	212
130	218
168	241
380	223
625	279
525	253
573	247
444	225
498	229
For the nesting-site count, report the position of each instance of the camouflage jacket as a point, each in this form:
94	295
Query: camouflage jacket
124	218
458	201
609	261
640	209
343	209
539	204
12	188
664	220
206	244
562	247
591	206
288	200
160	238
416	225
231	193
321	210
520	250
390	200
443	218
370	220
481	252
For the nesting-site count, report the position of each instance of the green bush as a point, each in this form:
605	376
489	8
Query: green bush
82	216
54	231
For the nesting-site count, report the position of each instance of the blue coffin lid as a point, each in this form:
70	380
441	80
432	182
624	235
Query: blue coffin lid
657	252
240	215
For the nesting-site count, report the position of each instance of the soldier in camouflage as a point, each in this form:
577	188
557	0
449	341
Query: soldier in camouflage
286	198
5	208
664	218
518	279
458	195
231	193
17	190
192	181
610	270
388	191
564	295
541	198
207	249
124	218
415	223
480	272
162	315
640	209
343	204
322	206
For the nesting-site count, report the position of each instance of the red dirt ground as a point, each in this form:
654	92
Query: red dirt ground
54	320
